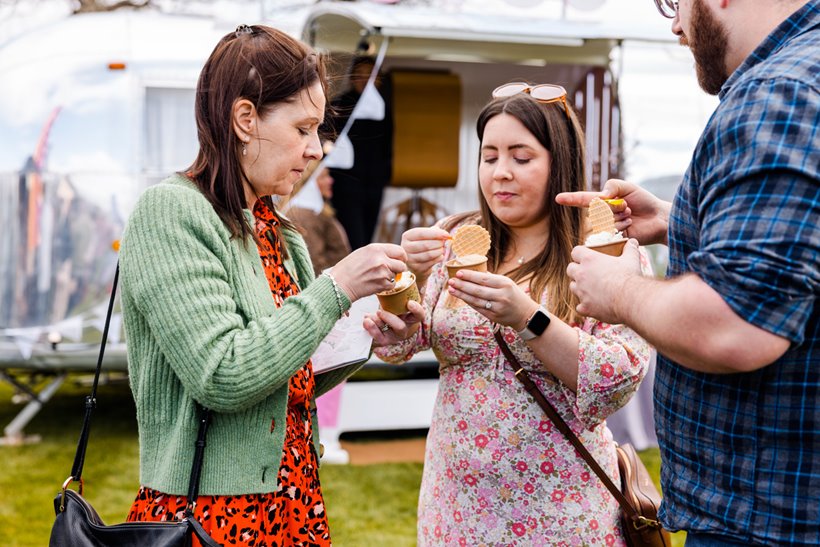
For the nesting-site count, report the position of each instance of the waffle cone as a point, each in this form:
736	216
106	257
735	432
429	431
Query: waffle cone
613	248
471	239
600	217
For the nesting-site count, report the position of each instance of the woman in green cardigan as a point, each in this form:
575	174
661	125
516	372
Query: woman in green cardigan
221	307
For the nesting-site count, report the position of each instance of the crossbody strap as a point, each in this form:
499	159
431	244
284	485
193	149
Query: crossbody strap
91	403
91	400
562	426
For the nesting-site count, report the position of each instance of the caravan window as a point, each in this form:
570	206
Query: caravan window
170	140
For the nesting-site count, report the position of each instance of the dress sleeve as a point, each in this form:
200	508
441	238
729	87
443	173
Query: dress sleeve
612	362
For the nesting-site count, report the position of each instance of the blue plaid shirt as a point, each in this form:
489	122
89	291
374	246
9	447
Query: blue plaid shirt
741	452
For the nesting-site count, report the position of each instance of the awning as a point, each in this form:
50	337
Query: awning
423	32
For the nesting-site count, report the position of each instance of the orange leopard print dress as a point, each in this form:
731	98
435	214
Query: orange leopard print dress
295	513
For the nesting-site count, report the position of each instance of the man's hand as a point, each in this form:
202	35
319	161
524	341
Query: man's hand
600	281
643	217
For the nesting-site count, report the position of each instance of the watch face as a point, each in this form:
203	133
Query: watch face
538	323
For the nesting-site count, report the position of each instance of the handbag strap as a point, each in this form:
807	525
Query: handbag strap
199	455
562	426
91	404
91	400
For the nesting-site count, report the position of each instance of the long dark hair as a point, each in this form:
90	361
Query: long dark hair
564	139
260	64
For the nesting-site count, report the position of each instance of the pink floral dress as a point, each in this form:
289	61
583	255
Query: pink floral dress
497	472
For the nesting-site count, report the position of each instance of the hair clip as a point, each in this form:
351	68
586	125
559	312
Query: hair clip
243	29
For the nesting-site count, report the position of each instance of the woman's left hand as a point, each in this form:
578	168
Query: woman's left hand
496	297
387	328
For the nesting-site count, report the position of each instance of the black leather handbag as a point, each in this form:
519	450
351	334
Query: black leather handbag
77	523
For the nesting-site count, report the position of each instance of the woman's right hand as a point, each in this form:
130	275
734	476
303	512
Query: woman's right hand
645	217
424	248
369	269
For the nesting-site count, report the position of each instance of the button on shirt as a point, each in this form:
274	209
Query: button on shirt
741	452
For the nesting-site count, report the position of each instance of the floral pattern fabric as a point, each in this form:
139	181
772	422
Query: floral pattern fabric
497	472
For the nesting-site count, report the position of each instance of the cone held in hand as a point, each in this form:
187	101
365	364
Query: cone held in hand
604	237
395	300
470	244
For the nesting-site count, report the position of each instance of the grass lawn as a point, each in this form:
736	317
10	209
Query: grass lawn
367	504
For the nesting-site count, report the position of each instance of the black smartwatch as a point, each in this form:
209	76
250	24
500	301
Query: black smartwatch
536	325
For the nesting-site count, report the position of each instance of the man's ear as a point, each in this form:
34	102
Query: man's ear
244	119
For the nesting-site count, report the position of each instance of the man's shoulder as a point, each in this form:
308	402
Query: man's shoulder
777	97
795	61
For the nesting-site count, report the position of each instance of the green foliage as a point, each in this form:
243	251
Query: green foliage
32	474
367	504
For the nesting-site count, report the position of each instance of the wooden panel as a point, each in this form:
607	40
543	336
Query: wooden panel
426	123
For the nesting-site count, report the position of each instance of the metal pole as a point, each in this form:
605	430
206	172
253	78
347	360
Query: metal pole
14	431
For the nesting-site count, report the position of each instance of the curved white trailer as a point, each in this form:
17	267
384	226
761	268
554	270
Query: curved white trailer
94	108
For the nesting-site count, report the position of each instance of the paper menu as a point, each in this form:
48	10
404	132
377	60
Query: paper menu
347	343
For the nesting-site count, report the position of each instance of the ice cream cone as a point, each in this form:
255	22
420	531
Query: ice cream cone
613	248
479	264
395	300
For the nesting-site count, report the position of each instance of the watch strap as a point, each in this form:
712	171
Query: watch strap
526	334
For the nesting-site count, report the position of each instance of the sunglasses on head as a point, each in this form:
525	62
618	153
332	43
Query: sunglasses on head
543	93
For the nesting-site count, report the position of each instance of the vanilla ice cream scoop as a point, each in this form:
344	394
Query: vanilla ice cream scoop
404	280
602	238
468	260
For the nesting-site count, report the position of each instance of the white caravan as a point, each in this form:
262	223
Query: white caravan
94	108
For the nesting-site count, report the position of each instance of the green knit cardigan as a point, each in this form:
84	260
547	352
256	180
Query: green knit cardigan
201	326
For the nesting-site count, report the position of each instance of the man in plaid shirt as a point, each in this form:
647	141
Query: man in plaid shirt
737	391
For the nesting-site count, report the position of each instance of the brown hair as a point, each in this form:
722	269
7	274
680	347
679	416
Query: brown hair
564	139
260	64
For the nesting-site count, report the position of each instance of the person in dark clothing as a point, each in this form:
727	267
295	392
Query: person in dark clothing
357	192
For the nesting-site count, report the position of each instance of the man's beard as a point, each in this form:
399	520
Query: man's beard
708	42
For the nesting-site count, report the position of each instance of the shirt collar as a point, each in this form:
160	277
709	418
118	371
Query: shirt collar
803	20
263	212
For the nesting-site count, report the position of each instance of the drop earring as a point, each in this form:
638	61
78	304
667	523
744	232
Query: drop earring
244	149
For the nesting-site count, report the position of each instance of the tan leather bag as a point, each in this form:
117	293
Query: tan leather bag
638	497
641	526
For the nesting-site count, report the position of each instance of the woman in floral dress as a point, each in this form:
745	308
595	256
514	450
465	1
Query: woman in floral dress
497	472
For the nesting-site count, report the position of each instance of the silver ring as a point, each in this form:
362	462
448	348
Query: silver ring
488	305
392	279
384	328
